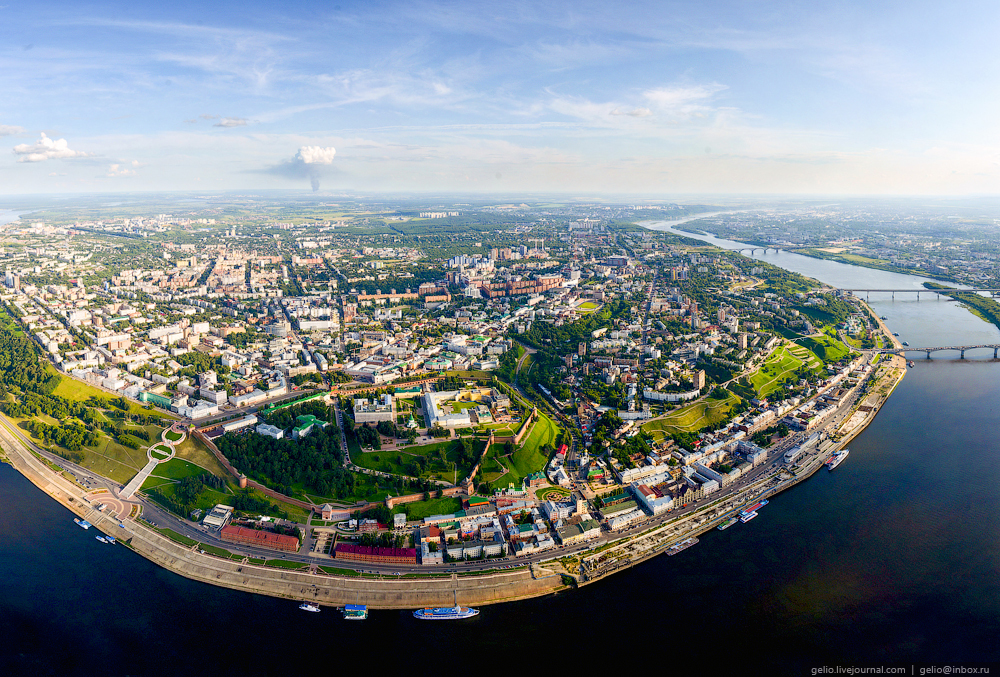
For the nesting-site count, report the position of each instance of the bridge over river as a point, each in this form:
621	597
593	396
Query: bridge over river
960	349
992	290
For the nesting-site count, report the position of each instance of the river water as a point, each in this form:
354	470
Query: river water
891	559
7	216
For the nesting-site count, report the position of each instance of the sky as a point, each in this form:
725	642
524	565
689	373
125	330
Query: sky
652	99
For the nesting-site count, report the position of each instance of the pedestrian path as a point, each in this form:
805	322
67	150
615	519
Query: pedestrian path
136	482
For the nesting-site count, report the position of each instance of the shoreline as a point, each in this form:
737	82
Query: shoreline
531	579
806	251
324	589
401	593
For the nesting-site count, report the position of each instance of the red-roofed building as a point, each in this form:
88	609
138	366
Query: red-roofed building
365	553
265	539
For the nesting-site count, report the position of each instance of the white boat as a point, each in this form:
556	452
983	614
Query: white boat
101	539
306	606
837	458
445	613
83	524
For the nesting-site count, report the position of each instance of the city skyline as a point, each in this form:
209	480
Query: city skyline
651	98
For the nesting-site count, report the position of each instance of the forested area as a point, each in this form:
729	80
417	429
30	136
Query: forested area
184	497
553	343
22	373
195	363
315	462
286	418
564	339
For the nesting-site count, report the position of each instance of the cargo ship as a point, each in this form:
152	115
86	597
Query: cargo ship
728	523
749	516
306	606
754	508
450	613
683	545
83	524
355	612
837	458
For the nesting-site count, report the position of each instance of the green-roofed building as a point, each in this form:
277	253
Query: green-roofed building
157	400
306	423
536	479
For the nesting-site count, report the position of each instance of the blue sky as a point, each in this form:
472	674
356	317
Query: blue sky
651	98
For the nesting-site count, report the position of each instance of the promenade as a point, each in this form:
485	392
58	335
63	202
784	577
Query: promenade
324	589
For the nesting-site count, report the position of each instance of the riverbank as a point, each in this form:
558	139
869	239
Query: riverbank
660	539
324	589
399	593
986	309
819	253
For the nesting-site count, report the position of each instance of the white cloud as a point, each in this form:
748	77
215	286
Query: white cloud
683	99
315	155
231	122
636	112
46	149
120	169
10	130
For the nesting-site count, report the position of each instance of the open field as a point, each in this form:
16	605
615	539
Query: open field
173	436
177	468
825	348
398	461
78	391
500	429
526	459
435	506
779	369
707	412
805	355
107	457
196	452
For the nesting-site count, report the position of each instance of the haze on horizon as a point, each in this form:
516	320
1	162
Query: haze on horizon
651	98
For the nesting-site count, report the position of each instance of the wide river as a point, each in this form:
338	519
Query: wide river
894	558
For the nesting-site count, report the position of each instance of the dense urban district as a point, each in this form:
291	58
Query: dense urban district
367	390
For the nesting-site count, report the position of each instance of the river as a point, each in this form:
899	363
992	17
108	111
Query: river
894	558
7	216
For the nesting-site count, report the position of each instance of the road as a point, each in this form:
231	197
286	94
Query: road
765	480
